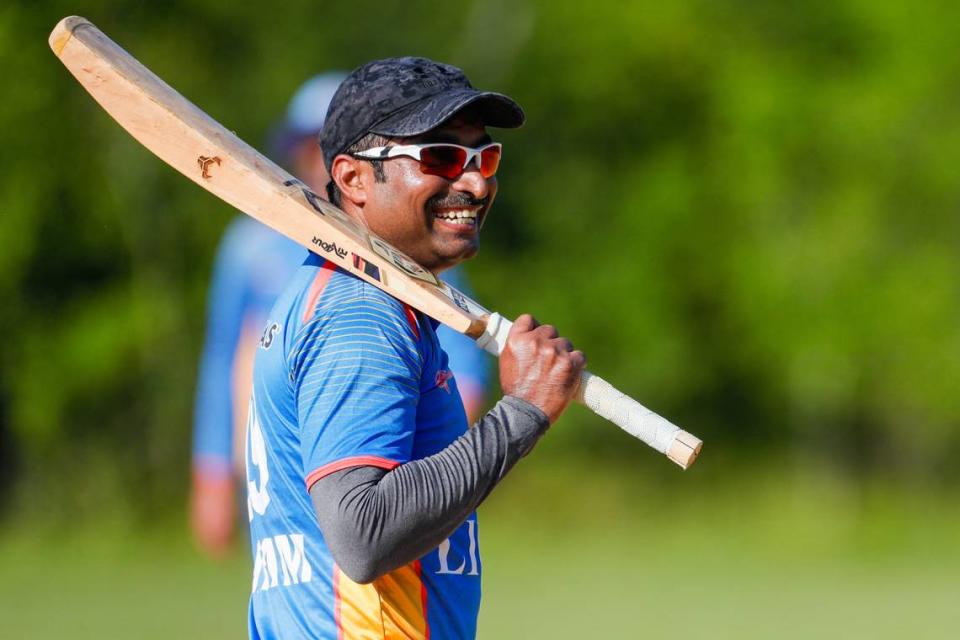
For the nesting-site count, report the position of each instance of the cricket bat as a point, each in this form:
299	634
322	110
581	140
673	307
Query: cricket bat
194	144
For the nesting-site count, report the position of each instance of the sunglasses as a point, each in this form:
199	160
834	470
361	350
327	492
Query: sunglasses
441	158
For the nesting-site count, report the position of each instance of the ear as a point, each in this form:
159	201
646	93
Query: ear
351	176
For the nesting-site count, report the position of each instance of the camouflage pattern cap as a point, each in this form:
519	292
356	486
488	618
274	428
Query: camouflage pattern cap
403	97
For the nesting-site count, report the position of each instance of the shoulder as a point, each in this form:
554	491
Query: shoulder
349	325
345	294
334	305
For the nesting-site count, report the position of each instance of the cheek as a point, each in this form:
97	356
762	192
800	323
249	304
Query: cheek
414	187
410	178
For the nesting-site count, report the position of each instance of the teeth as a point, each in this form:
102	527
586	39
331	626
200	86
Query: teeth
458	217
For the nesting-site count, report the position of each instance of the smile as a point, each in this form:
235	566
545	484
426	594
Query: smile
465	217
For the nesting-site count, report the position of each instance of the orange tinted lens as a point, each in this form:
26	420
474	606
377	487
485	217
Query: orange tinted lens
489	161
442	160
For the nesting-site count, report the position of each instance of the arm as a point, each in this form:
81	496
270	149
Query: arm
213	408
375	520
212	500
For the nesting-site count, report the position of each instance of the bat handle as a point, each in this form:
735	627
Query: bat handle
617	407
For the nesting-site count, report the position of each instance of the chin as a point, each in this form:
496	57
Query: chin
467	251
443	263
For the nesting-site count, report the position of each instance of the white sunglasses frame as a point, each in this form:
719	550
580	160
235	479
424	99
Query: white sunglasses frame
413	151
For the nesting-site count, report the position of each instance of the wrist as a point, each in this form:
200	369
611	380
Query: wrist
536	413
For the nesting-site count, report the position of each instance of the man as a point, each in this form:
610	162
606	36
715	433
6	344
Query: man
363	476
253	265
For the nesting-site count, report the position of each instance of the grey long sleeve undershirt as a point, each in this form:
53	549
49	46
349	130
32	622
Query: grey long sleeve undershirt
375	521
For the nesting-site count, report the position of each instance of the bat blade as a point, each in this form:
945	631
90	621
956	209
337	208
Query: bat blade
193	143
196	145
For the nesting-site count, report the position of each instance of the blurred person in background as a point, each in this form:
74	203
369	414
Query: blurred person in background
252	267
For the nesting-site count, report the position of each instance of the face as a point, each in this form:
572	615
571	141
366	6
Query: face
434	220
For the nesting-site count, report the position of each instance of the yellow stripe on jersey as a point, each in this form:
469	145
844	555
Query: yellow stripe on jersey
392	607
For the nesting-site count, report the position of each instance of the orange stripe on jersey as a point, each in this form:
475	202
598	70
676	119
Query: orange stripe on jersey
316	288
423	601
412	319
392	607
346	463
336	601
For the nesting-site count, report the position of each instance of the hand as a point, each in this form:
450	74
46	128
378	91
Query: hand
213	513
539	366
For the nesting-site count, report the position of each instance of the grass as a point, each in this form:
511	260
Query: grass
103	584
783	555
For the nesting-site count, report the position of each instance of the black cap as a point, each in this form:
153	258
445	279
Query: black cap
403	97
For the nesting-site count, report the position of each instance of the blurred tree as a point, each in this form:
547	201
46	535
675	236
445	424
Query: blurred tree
745	212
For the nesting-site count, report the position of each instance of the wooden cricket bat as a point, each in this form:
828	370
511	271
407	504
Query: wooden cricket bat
194	144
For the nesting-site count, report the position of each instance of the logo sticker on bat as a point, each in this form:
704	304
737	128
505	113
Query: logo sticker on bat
371	270
459	299
462	301
329	247
401	261
204	162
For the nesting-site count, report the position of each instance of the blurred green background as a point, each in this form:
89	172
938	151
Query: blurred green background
744	212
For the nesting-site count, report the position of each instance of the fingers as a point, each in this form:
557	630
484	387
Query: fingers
523	324
540	366
526	323
579	359
547	333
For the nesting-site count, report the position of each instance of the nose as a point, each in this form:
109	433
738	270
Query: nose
472	181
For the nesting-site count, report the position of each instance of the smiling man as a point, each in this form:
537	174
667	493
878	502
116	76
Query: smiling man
362	473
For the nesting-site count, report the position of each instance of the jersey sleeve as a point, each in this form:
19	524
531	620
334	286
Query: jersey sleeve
356	369
213	407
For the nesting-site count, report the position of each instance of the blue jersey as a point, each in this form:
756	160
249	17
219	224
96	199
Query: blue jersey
346	375
253	266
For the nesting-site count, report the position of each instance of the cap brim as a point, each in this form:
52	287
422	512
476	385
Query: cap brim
495	109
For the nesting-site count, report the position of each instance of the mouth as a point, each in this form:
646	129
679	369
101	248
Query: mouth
460	218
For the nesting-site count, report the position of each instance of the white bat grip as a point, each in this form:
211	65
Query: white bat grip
606	401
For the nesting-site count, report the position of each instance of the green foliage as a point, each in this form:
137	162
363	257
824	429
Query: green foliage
744	212
785	551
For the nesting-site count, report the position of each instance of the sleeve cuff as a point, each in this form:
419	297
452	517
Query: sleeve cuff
530	410
345	463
